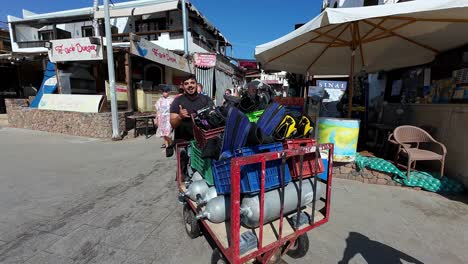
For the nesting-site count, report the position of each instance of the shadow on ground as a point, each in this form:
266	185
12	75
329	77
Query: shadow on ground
373	251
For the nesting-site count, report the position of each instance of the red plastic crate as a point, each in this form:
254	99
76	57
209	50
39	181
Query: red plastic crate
202	136
289	101
309	166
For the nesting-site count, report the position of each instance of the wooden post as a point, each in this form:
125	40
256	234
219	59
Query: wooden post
128	79
351	86
57	76
351	75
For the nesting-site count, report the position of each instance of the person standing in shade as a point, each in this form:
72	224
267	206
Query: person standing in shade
163	117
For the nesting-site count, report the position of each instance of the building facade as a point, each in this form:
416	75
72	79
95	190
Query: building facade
156	21
357	3
148	50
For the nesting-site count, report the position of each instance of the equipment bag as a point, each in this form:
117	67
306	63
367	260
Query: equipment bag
271	118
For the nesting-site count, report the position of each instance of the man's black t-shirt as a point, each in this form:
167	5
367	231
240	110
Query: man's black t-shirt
185	130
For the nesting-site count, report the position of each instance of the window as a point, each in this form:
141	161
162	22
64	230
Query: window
46	35
151	25
87	31
371	2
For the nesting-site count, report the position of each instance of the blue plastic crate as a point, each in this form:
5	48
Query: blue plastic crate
250	174
324	174
249	151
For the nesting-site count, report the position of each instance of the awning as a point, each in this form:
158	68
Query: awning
372	38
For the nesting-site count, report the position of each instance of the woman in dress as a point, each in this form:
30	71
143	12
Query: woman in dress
162	117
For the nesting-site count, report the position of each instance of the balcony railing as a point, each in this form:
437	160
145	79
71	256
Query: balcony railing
203	44
32	44
148	35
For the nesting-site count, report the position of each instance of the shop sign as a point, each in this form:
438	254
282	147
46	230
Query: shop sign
332	84
204	60
78	49
71	102
251	65
148	50
335	89
120	91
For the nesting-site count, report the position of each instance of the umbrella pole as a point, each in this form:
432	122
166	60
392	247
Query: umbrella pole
351	86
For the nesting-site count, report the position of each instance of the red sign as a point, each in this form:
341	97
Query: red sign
248	64
205	60
271	81
164	55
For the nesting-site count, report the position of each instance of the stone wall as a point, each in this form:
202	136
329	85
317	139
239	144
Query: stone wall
98	125
349	171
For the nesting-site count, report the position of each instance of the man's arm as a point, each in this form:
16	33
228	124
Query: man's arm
175	120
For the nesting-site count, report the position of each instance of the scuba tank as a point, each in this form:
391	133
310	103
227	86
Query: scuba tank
197	177
196	190
190	172
216	210
250	207
210	194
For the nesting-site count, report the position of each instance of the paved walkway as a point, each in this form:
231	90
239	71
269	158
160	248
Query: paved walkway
79	200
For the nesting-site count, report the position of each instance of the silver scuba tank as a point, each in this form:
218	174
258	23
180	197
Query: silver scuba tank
197	189
250	207
216	210
190	171
197	176
208	196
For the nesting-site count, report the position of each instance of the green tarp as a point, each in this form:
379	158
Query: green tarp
421	179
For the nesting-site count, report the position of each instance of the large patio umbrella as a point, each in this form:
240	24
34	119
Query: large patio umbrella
374	38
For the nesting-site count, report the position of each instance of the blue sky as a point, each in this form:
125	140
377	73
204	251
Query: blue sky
244	23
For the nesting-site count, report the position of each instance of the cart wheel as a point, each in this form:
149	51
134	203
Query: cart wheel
217	257
300	247
191	223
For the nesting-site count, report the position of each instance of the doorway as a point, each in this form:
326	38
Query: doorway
153	73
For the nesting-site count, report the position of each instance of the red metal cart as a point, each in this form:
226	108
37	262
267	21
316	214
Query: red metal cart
275	238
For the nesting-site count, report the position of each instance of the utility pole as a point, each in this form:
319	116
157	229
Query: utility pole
184	25
110	67
95	20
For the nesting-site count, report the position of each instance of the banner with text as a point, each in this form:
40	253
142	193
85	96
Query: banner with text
148	50
204	60
77	49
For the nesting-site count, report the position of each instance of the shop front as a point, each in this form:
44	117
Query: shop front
433	96
388	41
72	97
